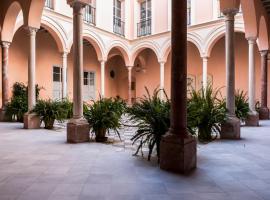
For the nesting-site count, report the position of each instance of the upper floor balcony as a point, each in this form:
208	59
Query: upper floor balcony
90	15
118	26
144	27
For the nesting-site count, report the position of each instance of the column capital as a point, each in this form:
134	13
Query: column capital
205	58
102	61
31	30
264	53
82	2
64	54
5	44
129	67
252	40
230	13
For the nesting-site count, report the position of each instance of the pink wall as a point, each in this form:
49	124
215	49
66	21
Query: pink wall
48	55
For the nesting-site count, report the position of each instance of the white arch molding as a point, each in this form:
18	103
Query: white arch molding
123	48
217	34
139	47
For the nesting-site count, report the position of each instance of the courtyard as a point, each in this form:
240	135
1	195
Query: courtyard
40	165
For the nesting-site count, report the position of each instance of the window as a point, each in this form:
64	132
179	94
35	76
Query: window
118	24
57	82
220	14
144	26
188	12
49	4
90	15
88	86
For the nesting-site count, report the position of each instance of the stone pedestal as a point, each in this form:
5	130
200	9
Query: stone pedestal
230	129
31	121
3	117
78	131
264	113
252	119
178	154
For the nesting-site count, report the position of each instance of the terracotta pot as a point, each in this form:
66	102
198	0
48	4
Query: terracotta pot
49	124
100	135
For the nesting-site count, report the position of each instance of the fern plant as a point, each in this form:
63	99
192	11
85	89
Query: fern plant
49	111
105	115
241	105
151	116
205	113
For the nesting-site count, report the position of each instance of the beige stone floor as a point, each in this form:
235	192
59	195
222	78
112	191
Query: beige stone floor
40	165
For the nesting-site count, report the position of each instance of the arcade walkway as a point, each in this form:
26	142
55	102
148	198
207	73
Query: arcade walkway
39	165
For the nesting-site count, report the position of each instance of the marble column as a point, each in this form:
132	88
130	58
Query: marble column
178	151
5	87
31	120
231	128
64	75
102	78
264	110
129	84
77	128
253	116
205	69
162	79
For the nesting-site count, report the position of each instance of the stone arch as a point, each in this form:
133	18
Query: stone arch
123	50
9	21
216	35
263	40
251	18
55	30
142	46
190	38
95	41
34	13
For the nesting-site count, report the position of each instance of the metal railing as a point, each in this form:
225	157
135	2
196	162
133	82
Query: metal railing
90	14
49	4
118	26
144	27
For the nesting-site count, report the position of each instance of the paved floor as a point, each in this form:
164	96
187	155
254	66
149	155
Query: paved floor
39	165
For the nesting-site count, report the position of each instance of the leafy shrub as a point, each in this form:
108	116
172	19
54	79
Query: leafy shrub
205	113
105	115
151	116
241	105
49	111
18	105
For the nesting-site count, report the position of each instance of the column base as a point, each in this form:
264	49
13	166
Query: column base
31	121
3	116
178	154
264	113
78	131
230	129
252	119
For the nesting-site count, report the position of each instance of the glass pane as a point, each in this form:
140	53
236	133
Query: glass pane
85	81
56	77
56	69
85	75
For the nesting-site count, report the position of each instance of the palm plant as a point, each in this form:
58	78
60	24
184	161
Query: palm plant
205	113
49	111
105	115
241	105
151	115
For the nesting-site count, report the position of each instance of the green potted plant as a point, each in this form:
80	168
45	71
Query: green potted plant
205	113
18	105
104	115
49	111
241	105
151	116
